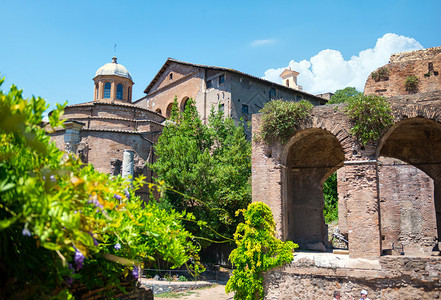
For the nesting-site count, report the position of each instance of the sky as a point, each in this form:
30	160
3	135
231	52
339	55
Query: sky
52	49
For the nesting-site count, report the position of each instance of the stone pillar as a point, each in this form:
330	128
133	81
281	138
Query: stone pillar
72	136
363	219
113	91
128	162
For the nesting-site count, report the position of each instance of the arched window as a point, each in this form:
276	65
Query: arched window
107	87
119	91
97	91
158	110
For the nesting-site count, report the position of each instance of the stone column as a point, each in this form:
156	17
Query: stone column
363	209
113	91
72	136
128	162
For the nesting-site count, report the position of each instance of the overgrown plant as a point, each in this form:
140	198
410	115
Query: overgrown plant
258	250
412	82
381	74
63	223
281	119
369	116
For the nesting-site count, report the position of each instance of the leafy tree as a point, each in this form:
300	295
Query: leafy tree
258	250
208	168
62	221
345	95
330	194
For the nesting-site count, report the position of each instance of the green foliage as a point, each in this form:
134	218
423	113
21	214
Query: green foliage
412	82
380	74
281	119
209	168
369	116
331	199
344	96
258	250
54	211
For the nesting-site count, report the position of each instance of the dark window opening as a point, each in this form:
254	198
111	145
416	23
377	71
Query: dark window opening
221	79
107	87
209	84
119	91
244	109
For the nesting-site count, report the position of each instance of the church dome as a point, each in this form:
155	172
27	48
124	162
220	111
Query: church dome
114	68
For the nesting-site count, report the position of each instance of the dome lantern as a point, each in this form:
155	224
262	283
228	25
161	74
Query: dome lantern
113	82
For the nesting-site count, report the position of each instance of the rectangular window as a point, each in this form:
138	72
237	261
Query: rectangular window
209	84
221	79
244	109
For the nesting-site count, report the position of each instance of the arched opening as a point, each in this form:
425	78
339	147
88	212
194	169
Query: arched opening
119	91
184	103
158	110
409	187
168	110
107	87
311	156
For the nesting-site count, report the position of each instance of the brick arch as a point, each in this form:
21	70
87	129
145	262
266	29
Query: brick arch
329	125
410	151
309	158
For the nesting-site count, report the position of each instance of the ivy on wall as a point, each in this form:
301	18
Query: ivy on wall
369	116
281	119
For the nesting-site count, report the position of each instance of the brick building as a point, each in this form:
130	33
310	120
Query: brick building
110	128
240	95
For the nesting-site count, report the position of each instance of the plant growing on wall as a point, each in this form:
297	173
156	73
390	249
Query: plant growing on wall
412	82
381	74
280	119
258	250
369	116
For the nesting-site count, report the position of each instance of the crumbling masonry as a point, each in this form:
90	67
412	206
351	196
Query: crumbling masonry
389	192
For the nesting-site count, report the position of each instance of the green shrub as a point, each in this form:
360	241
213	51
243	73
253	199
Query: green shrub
412	82
381	74
369	116
281	119
62	221
258	250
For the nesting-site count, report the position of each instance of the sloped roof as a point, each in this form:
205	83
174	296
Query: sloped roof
171	60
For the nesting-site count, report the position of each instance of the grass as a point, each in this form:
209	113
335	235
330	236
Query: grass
174	294
181	294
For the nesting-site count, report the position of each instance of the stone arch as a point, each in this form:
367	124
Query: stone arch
168	110
409	155
309	158
184	102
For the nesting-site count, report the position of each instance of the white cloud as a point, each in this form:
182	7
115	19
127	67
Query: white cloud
257	43
328	71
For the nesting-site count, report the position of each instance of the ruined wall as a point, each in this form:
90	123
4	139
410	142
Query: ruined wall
408	220
425	64
391	277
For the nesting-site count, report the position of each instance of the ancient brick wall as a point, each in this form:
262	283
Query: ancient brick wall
391	277
286	175
425	64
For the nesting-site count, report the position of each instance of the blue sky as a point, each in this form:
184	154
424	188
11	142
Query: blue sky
52	49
